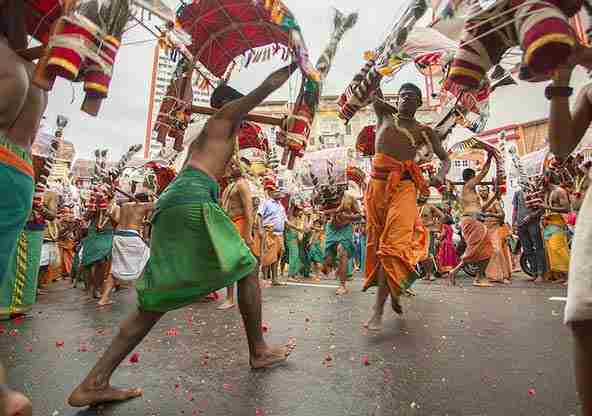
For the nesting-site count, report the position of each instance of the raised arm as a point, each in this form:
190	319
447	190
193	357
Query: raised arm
481	175
381	108
566	130
236	110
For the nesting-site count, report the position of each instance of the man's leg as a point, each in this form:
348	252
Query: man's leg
104	279
582	333
428	267
229	302
482	280
539	251
249	302
528	249
12	403
342	270
375	322
96	387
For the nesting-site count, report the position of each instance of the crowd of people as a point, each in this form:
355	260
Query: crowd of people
213	227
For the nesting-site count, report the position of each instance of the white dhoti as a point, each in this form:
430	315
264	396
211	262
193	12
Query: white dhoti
130	255
579	290
50	254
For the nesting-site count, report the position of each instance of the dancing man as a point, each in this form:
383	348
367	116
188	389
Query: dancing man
21	107
566	130
130	252
339	239
195	248
237	202
395	240
479	248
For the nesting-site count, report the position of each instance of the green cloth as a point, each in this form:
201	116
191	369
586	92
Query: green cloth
97	245
195	248
343	236
18	292
17	189
295	264
315	254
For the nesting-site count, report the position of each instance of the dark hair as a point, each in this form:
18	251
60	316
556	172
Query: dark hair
222	95
468	174
409	86
448	220
142	197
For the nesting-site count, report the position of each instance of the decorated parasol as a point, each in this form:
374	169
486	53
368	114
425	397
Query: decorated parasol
225	36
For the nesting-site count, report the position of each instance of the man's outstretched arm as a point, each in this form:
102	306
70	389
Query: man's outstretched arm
238	109
442	154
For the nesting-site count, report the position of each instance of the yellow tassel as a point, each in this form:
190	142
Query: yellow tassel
368	55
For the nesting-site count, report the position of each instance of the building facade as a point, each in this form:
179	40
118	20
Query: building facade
163	69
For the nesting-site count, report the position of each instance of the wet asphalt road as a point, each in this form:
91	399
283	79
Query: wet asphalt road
457	351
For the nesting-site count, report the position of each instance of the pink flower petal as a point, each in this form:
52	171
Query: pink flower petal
365	360
59	344
135	357
531	392
227	387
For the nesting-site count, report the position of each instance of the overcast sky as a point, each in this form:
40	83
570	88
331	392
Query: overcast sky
122	120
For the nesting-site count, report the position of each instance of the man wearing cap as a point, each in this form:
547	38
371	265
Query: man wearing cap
195	248
396	238
273	218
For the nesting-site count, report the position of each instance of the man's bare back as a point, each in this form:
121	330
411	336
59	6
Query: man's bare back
132	215
21	103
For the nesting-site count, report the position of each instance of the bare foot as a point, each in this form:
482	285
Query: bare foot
375	323
271	357
507	281
84	396
531	279
396	305
539	280
100	304
16	404
341	290
410	292
482	284
226	305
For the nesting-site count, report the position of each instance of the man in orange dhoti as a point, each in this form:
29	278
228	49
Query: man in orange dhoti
479	248
237	201
396	237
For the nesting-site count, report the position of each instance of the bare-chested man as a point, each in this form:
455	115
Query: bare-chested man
21	107
130	252
566	130
339	238
431	218
395	244
237	201
195	249
479	248
50	269
555	230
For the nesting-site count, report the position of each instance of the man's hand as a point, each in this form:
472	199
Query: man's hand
249	241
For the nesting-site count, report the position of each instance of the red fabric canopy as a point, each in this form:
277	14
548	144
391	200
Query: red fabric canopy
40	15
224	29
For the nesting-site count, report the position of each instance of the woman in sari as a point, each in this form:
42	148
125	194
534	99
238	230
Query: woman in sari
499	269
447	257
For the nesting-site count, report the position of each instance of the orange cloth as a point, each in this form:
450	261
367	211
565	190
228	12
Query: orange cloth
67	256
500	265
272	248
240	223
396	237
479	247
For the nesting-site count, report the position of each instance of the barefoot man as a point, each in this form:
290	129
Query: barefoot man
396	238
431	218
237	202
479	247
339	239
130	252
21	107
566	130
195	248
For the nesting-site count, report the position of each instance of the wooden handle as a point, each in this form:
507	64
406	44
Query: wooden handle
255	118
91	105
31	54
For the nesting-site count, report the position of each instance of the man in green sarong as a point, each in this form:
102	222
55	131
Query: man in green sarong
339	240
21	107
195	248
